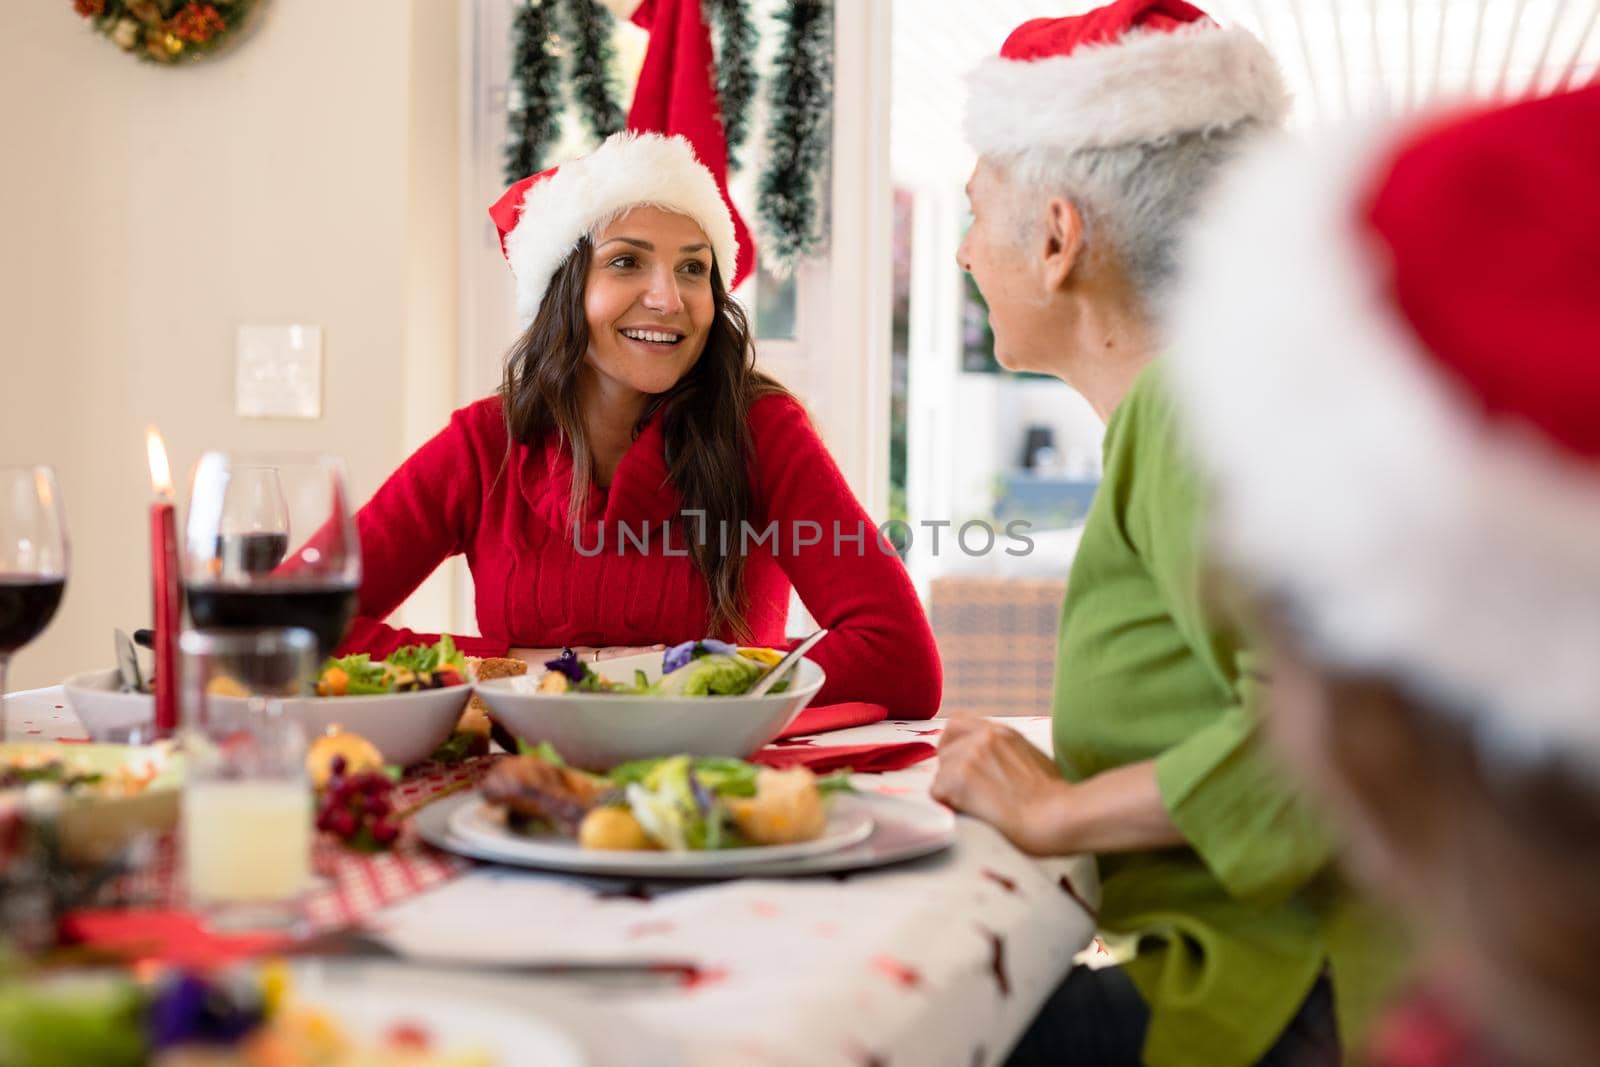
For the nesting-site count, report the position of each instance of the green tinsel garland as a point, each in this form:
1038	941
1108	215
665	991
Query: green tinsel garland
586	34
589	28
799	121
736	71
535	119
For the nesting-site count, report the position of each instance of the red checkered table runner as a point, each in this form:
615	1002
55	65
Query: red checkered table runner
352	885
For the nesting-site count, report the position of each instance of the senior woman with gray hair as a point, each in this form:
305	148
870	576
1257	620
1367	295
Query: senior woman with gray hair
1098	136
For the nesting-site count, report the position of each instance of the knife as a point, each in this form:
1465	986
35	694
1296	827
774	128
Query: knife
128	663
356	945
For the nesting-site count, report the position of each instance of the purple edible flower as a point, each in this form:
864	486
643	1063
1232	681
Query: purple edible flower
702	795
176	1012
680	655
677	656
186	1010
568	664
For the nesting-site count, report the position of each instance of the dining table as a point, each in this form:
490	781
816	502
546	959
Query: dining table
939	960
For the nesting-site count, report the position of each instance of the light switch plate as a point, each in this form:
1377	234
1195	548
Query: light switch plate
279	372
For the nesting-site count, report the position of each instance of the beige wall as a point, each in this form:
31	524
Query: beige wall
308	176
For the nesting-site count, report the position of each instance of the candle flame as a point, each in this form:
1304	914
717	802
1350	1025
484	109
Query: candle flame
160	472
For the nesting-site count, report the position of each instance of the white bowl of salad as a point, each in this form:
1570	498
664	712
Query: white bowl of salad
406	704
692	699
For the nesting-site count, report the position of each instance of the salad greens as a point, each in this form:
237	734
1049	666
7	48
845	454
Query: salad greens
67	1024
672	810
680	655
18	773
544	750
719	674
720	774
421	658
694	668
364	676
411	667
681	802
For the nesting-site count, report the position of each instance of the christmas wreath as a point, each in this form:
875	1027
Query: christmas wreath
166	31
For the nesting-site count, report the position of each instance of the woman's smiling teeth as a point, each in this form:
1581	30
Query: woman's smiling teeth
655	337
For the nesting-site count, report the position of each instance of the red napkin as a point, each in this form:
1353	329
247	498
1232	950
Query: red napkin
835	717
863	759
170	936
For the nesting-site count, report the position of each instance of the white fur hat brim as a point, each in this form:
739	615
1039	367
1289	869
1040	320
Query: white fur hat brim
1411	536
627	170
1147	86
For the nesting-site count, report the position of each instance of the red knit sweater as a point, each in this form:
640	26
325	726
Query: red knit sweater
536	588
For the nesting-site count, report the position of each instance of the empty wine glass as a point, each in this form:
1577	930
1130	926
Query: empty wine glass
253	532
33	557
244	511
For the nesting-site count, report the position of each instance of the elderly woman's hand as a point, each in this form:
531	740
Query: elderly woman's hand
995	774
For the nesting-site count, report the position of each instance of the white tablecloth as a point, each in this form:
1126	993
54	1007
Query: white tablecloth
941	961
38	715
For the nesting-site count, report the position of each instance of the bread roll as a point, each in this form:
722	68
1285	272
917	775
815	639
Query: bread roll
787	808
475	719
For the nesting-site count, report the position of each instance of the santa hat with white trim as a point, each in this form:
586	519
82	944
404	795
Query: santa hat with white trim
1131	72
1387	351
542	218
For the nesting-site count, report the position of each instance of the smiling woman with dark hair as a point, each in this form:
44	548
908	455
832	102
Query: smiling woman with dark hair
636	481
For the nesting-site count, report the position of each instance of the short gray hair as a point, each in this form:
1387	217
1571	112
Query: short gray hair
1139	197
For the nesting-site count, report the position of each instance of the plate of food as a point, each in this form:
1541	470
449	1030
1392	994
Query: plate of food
107	794
692	698
311	1015
678	816
903	829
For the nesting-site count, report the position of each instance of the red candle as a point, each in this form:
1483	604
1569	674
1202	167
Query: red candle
166	593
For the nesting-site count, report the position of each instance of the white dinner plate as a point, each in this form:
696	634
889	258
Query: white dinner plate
896	830
485	824
507	1036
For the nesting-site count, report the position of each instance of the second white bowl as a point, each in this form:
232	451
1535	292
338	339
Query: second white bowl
597	731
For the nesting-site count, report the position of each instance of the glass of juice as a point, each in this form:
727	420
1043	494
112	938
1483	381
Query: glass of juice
247	803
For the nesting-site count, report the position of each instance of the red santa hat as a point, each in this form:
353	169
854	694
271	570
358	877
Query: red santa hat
677	95
1388	354
1131	72
542	218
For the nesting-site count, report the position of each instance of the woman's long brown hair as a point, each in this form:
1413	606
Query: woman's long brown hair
705	422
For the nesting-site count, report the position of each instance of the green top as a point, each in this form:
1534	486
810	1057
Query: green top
1234	930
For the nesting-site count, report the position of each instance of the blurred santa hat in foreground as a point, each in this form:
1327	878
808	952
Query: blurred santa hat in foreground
1387	351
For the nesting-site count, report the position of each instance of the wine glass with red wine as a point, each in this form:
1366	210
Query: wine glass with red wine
254	528
244	514
33	557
